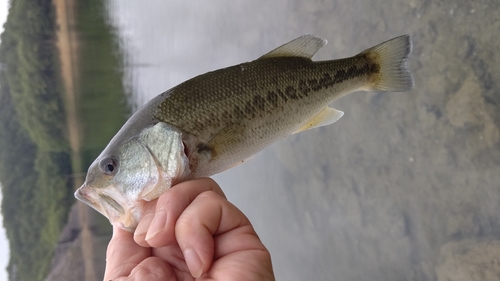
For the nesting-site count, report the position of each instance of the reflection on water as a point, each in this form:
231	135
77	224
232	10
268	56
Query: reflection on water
404	187
92	62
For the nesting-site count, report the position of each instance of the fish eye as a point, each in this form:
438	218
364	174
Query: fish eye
109	165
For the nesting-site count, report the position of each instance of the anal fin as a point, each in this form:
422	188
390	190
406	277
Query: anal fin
325	117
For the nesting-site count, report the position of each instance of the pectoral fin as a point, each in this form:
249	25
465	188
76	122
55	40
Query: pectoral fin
227	136
326	117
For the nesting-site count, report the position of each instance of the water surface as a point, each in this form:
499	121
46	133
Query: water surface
406	185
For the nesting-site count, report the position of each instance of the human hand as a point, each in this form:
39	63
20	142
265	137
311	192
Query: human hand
190	233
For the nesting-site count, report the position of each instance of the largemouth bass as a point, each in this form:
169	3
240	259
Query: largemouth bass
216	120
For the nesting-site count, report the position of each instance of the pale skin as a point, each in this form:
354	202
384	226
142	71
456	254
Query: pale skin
190	233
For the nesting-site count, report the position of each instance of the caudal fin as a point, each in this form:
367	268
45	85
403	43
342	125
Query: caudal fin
391	56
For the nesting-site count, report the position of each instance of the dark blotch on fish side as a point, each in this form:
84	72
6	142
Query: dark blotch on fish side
353	72
326	80
259	102
282	95
303	88
291	92
249	110
272	98
238	113
226	115
314	85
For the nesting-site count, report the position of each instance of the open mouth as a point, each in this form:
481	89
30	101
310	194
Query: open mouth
108	207
84	194
99	202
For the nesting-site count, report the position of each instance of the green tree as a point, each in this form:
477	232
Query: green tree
34	163
33	69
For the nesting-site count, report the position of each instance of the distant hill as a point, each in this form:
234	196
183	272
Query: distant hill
36	166
34	159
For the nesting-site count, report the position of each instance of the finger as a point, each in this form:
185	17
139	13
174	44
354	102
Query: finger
207	216
148	213
152	269
232	240
241	251
171	204
123	254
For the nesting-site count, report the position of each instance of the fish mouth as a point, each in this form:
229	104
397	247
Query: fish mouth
102	203
86	195
124	217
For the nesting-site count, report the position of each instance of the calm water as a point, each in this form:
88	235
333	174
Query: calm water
406	186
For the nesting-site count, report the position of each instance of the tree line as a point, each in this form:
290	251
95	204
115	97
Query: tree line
35	162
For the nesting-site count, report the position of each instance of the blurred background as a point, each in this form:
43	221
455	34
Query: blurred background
406	186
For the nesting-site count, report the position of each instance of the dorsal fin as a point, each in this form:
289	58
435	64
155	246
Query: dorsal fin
305	46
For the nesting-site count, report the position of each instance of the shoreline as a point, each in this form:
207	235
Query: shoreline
68	45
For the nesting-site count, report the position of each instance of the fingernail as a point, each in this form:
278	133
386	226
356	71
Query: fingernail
157	225
193	262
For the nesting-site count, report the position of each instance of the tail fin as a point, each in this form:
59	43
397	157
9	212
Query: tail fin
391	56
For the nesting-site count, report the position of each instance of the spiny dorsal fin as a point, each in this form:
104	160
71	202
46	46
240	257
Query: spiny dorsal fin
305	46
325	117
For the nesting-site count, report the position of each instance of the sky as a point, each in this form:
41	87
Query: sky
4	245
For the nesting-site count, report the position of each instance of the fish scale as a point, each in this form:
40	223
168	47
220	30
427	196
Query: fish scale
257	91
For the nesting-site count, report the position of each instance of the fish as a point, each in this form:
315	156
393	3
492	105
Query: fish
216	120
